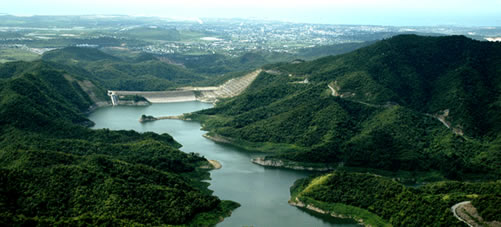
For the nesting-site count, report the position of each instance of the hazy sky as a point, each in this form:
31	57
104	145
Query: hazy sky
382	12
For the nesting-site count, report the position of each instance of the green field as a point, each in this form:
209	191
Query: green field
17	54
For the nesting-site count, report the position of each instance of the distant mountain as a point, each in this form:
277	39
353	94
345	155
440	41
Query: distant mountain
146	72
327	50
404	103
220	64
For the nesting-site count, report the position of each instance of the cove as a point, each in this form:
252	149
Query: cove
263	192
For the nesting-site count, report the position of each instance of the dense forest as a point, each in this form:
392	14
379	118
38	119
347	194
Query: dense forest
378	107
56	171
405	104
380	201
142	73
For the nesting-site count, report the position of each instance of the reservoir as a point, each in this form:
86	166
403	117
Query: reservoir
262	192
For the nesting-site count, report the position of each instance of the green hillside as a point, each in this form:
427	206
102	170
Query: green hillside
121	74
381	201
55	171
384	111
148	72
327	50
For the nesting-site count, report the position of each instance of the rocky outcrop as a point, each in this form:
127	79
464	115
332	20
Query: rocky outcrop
213	164
146	118
263	161
299	203
217	138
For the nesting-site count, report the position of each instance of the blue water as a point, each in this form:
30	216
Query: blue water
263	192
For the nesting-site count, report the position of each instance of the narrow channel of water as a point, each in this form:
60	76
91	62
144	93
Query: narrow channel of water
262	192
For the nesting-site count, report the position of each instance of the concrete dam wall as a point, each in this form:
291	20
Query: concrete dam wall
154	96
230	88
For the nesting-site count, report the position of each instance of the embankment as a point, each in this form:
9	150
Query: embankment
230	88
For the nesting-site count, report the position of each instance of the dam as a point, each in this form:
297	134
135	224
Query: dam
230	88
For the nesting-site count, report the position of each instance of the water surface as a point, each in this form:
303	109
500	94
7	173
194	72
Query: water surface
263	192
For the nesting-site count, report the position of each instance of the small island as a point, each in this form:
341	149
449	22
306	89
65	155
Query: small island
147	118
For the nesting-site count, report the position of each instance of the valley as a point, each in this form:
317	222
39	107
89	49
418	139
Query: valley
261	192
262	124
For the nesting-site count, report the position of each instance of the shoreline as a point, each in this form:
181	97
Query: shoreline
216	164
212	165
217	138
311	207
278	163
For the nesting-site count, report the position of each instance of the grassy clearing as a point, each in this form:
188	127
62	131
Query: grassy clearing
335	209
317	181
17	54
347	211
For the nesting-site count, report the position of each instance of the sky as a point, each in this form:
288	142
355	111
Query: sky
370	12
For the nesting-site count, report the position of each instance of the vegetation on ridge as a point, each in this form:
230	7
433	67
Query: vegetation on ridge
56	172
389	96
428	205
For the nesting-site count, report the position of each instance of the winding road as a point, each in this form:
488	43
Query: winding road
336	94
455	207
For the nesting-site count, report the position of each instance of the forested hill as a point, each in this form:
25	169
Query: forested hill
378	107
426	74
142	73
381	201
53	171
127	70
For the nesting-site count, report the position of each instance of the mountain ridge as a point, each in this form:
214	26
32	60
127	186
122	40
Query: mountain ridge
56	171
417	87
